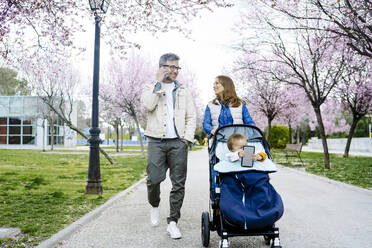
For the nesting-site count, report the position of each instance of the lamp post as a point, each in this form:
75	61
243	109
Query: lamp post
94	174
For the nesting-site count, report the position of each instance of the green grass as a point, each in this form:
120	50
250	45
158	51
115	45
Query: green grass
196	148
43	193
124	147
87	151
354	170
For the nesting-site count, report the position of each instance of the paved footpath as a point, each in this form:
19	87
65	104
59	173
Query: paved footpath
318	213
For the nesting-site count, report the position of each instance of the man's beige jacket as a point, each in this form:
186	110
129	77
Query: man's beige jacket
155	103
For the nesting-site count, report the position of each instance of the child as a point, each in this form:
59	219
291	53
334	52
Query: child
235	144
247	199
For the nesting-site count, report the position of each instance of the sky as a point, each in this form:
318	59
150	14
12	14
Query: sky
206	53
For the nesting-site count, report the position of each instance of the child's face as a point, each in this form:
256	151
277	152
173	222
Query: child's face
239	144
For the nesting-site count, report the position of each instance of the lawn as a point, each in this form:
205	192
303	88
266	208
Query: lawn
111	150
354	170
42	193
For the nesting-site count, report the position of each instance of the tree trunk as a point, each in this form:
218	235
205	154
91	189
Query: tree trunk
350	136
268	129
140	137
108	136
298	135
318	114
116	136
51	130
122	137
290	132
43	125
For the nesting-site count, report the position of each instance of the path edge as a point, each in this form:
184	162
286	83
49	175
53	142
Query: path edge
90	216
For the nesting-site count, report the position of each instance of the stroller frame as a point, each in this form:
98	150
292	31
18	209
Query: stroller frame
218	222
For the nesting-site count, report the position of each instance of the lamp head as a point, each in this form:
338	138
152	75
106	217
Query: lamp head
99	5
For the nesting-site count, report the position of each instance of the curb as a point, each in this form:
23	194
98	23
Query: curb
351	153
68	231
328	180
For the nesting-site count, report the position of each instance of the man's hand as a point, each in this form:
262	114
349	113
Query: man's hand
160	74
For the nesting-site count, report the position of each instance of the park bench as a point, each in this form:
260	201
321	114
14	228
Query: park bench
293	150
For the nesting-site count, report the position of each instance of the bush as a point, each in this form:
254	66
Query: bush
200	134
279	136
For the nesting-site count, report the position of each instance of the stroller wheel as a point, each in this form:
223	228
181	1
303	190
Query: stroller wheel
205	229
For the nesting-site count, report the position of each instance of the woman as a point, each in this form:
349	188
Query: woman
227	108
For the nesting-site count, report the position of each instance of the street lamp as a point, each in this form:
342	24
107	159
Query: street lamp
94	174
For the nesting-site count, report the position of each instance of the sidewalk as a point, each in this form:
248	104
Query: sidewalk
318	213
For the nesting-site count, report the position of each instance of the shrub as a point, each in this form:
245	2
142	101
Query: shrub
279	136
200	134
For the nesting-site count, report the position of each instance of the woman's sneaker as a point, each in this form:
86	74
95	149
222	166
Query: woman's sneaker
155	216
173	230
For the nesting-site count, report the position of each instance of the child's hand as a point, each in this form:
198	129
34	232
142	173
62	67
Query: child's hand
256	157
241	154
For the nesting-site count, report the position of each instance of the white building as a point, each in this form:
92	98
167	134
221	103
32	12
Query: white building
21	125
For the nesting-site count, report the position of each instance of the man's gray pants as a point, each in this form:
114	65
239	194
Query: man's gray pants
164	154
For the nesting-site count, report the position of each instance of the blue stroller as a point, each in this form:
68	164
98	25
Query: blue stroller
242	203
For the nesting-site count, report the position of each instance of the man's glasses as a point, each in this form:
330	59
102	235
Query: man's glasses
172	67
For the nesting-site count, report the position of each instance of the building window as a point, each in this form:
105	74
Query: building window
3	121
3	130
2	140
17	131
14	140
28	140
58	134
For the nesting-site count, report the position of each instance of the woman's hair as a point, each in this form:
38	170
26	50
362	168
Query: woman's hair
229	96
233	139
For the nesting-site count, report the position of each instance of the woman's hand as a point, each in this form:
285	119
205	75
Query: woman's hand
213	130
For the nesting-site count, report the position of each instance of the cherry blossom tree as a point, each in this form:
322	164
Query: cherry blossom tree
350	21
308	59
269	101
112	115
263	96
122	87
31	25
188	78
54	80
355	93
334	120
296	108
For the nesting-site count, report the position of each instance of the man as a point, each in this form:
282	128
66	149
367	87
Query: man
170	128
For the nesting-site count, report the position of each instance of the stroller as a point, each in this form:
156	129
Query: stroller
227	214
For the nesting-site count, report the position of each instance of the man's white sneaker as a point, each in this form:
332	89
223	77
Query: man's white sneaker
173	230
155	216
